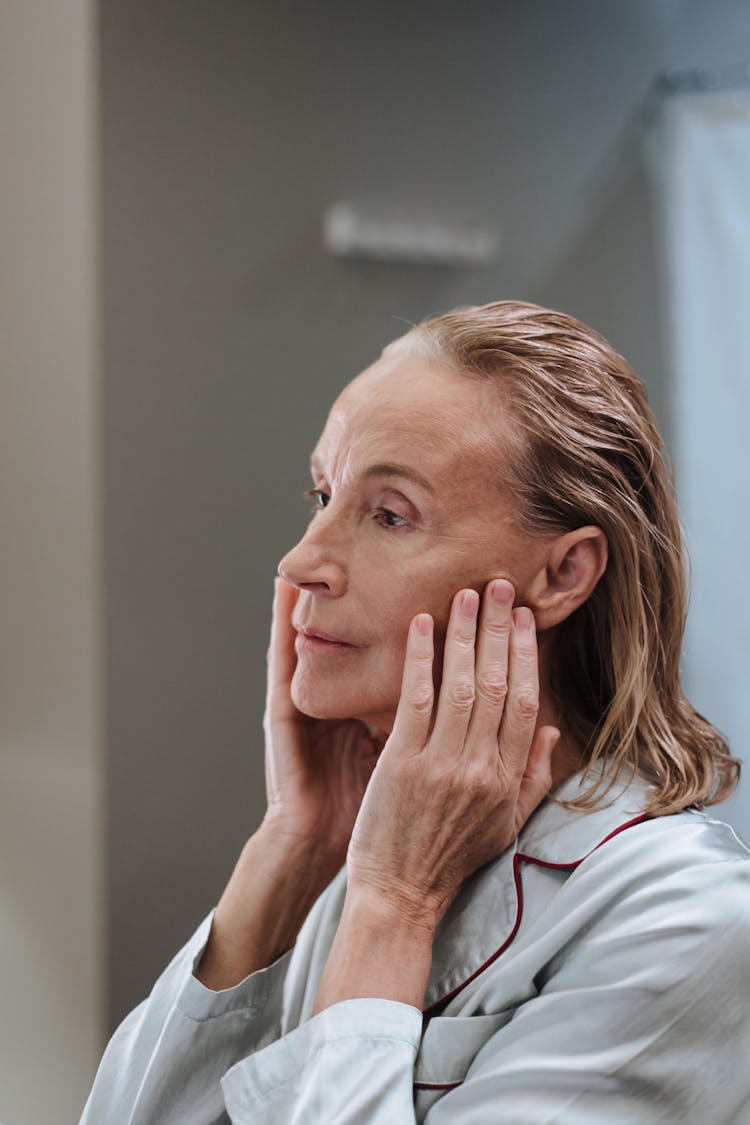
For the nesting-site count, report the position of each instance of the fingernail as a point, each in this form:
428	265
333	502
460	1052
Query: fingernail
502	592
523	619
423	623
470	603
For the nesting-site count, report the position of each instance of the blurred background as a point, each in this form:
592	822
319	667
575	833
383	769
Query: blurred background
173	328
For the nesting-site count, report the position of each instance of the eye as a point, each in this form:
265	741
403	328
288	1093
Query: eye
319	498
391	519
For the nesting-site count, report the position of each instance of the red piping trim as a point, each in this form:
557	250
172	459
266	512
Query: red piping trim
519	914
518	858
578	862
438	1085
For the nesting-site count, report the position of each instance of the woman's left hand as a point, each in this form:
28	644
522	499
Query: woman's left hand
460	776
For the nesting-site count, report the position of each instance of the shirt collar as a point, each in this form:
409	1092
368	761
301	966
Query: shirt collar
562	836
484	917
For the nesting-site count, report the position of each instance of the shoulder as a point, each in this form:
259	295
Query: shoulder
624	873
658	847
618	832
678	886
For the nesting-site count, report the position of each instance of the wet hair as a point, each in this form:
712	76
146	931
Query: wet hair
581	446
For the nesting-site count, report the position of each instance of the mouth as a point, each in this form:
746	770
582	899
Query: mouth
313	640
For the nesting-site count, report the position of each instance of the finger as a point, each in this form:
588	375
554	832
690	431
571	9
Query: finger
522	704
537	779
411	726
282	658
491	671
457	691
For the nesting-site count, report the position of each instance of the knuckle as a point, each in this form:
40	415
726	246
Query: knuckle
497	630
464	640
422	699
527	705
492	688
461	695
442	778
478	781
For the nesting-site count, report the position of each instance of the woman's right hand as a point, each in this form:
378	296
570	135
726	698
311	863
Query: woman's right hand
317	770
316	775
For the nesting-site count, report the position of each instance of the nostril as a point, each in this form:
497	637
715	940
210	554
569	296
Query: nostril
313	567
314	587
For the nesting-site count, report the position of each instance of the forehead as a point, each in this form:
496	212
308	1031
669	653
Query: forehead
410	410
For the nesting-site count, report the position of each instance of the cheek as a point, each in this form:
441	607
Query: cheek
431	596
401	603
435	594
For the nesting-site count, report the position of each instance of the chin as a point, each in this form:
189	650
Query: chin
329	701
316	709
319	702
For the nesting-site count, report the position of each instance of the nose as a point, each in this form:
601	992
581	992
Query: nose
317	564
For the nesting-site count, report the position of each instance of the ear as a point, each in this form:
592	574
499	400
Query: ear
575	562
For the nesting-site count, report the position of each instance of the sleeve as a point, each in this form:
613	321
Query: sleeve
165	1061
351	1063
643	1017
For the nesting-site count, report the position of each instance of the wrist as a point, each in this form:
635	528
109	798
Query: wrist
380	950
263	907
291	850
403	913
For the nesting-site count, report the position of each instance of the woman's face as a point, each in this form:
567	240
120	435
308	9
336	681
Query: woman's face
407	512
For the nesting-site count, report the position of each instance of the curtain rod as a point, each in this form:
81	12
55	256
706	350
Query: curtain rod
700	79
625	152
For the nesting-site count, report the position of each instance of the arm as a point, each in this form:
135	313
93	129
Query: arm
621	1027
642	1016
261	911
221	997
218	1001
472	793
446	796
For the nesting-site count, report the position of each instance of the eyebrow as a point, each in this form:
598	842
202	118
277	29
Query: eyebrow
391	469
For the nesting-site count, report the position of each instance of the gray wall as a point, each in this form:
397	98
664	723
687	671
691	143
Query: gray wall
610	275
226	129
51	831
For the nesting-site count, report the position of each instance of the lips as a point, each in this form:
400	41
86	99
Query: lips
324	636
316	639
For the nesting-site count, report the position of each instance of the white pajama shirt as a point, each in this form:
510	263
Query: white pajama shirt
597	971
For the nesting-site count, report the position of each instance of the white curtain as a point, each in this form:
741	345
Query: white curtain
699	150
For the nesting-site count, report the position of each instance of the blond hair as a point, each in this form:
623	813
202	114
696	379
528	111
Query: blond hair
583	447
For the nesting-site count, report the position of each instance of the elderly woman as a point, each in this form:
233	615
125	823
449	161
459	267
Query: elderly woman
484	889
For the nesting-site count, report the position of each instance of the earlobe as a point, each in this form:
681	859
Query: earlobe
575	563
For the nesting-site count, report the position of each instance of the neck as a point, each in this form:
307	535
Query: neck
567	757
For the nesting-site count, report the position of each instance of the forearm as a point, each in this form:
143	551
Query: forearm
354	1060
166	1060
262	909
379	951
